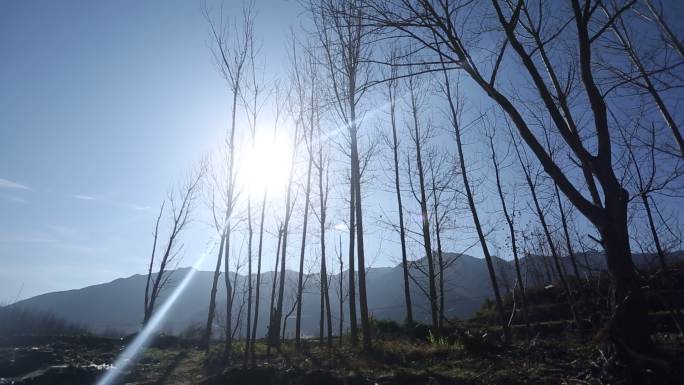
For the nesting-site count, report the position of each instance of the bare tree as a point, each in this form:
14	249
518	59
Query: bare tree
231	50
352	273
278	101
532	185
340	291
455	109
561	209
182	204
392	86
510	218
206	337
645	179
419	136
307	195
301	70
250	96
438	182
292	291
151	266
442	28
322	167
343	34
644	80
272	309
274	328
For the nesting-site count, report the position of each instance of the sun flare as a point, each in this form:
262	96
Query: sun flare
265	165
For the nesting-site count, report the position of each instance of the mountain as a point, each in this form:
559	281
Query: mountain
116	307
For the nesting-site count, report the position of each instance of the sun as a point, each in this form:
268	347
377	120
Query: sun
265	165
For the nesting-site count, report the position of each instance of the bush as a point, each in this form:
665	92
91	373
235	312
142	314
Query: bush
386	327
417	330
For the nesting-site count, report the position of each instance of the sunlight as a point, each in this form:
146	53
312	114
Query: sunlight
132	352
265	165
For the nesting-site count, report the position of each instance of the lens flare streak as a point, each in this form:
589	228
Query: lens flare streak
132	351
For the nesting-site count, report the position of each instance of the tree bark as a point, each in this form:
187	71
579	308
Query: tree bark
630	327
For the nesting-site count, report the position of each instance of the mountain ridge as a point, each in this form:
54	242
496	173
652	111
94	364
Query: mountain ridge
116	307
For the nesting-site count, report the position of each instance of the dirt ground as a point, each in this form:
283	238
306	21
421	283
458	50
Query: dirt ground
82	360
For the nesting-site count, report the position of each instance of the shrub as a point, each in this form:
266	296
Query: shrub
386	326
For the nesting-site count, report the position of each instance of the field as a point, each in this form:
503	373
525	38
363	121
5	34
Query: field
74	360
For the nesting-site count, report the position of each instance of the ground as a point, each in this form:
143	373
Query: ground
62	360
467	352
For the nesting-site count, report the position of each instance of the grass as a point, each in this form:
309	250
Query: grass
394	359
398	360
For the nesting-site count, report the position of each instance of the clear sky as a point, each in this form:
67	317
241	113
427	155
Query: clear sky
103	106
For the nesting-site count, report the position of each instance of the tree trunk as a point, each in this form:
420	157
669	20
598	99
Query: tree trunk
206	339
341	294
552	247
321	319
356	176
630	327
473	210
402	230
248	333
511	232
278	317
298	323
352	274
148	311
654	232
326	296
227	228
271	309
229	298
323	200
568	241
425	219
440	259
483	243
258	280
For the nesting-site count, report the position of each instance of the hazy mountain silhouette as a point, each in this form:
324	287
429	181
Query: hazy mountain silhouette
117	306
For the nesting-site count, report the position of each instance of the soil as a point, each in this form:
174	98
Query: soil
82	360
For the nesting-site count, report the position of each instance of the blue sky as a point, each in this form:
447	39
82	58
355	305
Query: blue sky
103	106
